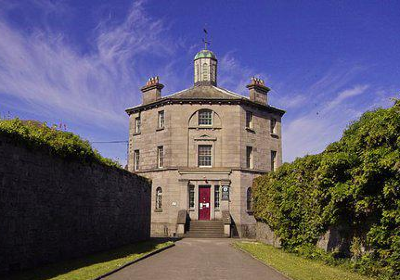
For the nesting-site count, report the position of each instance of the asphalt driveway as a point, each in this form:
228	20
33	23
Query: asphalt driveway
199	259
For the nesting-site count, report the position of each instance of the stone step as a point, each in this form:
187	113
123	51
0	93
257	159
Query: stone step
215	227
188	235
205	229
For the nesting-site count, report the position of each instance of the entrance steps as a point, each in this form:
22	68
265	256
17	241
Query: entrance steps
205	229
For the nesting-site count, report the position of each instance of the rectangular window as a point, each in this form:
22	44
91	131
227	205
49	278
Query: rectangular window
160	156
273	160
161	119
249	157
205	158
137	124
205	117
216	196
136	159
273	126
191	196
249	120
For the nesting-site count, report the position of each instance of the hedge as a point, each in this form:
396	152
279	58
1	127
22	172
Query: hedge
67	145
354	185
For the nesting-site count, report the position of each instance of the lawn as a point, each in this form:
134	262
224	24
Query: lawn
296	267
92	266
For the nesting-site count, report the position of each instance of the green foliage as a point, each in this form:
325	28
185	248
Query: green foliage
67	145
354	185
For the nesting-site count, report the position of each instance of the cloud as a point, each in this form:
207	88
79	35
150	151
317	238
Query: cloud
356	90
311	132
46	71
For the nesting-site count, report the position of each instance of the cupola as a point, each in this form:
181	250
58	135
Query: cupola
205	68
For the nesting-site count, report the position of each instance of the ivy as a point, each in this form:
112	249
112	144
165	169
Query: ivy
36	135
354	185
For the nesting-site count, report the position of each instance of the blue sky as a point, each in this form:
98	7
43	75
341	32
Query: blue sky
81	63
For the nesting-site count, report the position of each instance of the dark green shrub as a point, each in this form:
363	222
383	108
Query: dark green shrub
354	184
64	144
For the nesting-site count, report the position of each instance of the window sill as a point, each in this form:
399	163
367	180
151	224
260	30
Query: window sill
191	209
217	210
157	210
274	135
136	133
250	130
160	129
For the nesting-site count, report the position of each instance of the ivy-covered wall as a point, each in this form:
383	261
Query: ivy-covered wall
352	187
55	206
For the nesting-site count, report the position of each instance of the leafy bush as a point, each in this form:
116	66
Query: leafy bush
354	184
63	144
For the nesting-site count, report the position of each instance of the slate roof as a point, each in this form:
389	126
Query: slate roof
208	93
205	92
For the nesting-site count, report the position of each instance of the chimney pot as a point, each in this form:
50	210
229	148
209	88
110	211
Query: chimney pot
151	92
258	90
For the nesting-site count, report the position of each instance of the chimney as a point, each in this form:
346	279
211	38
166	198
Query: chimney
258	91
152	90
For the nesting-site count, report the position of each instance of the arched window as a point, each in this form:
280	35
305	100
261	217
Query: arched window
249	200
205	72
205	117
159	198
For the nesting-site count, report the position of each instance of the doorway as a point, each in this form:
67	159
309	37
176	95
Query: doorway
204	202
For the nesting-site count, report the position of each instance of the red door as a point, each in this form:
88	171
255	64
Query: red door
204	202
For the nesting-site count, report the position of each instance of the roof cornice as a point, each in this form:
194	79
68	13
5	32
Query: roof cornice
234	101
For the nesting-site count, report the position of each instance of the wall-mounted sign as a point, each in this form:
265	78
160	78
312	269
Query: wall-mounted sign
225	193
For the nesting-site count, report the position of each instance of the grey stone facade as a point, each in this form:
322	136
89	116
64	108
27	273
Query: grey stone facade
52	209
230	135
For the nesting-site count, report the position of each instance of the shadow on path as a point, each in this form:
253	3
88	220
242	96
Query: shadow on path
55	269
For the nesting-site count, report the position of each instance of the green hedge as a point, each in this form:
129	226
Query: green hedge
67	145
354	184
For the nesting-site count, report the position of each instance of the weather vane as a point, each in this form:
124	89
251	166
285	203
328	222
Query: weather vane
205	39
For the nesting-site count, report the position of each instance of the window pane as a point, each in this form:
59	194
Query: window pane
249	157
137	125
160	156
273	160
216	196
205	155
273	125
191	196
249	200
159	198
161	119
136	159
249	120
205	117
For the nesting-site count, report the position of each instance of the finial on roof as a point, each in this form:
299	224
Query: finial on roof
205	39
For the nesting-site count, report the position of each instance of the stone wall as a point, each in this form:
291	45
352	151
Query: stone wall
334	239
53	209
266	235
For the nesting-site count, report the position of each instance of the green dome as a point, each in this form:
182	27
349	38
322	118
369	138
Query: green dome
205	54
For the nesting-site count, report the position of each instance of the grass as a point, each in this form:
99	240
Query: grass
296	267
92	266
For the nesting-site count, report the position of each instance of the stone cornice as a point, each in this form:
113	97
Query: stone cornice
234	101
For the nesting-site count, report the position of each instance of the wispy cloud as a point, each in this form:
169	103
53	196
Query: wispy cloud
311	132
44	69
348	93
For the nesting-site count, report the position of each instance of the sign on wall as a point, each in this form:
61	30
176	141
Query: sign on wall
225	192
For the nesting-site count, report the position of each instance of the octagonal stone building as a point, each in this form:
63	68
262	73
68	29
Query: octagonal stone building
202	147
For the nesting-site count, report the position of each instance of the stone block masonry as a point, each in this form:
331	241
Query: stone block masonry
52	209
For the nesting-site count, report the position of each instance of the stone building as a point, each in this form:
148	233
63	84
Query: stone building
202	147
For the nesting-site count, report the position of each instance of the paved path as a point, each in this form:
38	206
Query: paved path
199	259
